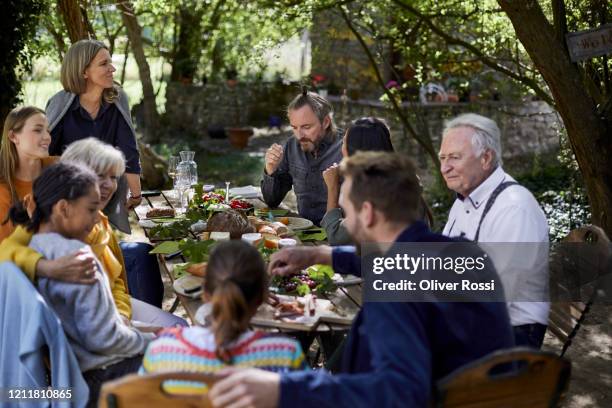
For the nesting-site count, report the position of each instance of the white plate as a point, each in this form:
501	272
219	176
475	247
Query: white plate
297	223
147	223
188	281
245	192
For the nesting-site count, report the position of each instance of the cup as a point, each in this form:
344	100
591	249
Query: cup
252	238
286	242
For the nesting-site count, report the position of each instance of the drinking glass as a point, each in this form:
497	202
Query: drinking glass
173	162
182	185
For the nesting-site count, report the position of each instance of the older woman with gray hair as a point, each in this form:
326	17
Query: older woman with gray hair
109	163
92	104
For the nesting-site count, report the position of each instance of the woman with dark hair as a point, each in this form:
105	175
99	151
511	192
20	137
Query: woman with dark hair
235	286
67	199
364	134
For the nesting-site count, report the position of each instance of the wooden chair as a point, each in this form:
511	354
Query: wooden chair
146	391
574	272
531	378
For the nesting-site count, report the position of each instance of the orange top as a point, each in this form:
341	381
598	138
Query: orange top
23	188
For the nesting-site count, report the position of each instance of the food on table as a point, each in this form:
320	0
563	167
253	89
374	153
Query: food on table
284	220
279	228
240	204
266	229
271	243
173	230
160	212
289	284
218	207
196	251
232	221
252	238
198	226
288	309
197	269
317	278
273	228
256	221
212	198
220	236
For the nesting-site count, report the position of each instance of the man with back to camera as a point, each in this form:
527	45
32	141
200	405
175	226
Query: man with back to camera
492	208
299	163
395	350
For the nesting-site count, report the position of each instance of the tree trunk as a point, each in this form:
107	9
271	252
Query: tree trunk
187	56
588	131
74	14
154	169
151	117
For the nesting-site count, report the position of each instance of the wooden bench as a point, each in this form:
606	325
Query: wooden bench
574	272
530	378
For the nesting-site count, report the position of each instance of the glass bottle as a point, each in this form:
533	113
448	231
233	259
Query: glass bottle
187	159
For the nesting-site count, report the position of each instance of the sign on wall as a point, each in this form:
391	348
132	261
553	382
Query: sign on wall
587	44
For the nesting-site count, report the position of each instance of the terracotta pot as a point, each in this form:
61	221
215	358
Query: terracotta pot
239	137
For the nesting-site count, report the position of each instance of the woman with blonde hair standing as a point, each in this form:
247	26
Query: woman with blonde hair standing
92	104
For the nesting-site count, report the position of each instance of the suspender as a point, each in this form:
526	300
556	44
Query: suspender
501	187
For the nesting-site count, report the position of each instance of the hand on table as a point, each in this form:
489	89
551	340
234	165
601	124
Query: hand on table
274	155
289	261
79	267
246	388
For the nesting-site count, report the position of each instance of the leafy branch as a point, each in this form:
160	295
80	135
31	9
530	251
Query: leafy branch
425	143
529	82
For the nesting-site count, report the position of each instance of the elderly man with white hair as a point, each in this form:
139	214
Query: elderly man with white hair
491	207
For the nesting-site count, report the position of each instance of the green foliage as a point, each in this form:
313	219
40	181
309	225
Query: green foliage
18	21
196	251
172	230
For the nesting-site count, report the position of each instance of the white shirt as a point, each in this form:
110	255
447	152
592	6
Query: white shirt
515	217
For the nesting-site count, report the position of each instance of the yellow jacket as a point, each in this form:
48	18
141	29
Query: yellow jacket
104	244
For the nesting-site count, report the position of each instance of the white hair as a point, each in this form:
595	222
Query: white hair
97	155
486	134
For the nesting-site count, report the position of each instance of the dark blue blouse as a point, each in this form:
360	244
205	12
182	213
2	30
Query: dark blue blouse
109	126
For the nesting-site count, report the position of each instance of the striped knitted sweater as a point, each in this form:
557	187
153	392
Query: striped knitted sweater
192	349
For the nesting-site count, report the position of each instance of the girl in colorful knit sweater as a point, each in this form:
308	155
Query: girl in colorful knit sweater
236	284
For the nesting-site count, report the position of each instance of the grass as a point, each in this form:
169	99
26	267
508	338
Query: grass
46	83
240	168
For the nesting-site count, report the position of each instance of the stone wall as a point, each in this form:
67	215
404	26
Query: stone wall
194	108
527	128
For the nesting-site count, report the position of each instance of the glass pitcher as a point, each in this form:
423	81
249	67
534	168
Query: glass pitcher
187	161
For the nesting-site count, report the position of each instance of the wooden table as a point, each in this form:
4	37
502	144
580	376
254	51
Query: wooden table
345	297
